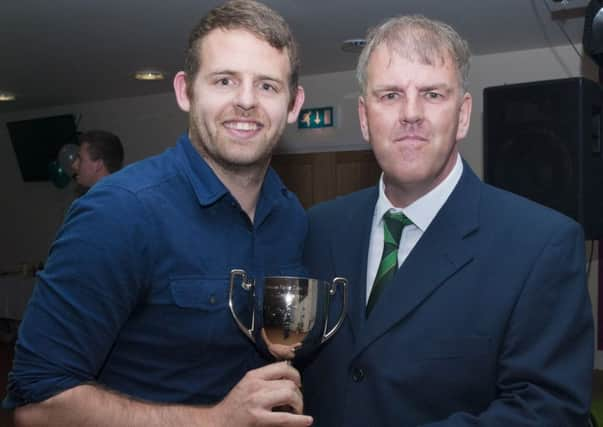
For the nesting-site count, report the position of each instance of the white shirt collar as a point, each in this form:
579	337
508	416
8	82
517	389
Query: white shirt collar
423	210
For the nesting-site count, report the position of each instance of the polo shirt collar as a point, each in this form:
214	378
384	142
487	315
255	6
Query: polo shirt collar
208	187
273	193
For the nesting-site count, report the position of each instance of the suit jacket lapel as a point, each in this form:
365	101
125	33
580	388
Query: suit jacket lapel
351	252
442	251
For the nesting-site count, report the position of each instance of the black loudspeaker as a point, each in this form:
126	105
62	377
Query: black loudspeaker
592	36
542	141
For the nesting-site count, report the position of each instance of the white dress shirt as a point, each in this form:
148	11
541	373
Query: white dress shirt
421	212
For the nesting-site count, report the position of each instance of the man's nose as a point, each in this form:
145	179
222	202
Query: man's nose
411	109
246	98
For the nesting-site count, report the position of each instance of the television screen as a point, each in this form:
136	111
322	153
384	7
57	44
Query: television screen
37	142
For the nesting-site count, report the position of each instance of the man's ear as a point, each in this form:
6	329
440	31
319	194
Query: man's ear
298	101
181	91
100	168
464	116
363	120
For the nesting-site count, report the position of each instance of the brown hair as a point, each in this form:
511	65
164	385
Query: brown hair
105	146
251	16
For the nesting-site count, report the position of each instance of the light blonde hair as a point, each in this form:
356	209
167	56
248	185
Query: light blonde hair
417	38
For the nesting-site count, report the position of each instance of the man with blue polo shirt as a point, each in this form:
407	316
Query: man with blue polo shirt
129	323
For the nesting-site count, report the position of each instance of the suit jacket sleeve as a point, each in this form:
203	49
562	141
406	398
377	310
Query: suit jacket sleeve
546	359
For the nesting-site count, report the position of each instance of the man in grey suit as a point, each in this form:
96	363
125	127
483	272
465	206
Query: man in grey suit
468	304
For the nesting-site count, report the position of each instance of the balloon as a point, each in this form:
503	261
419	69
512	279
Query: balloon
67	155
57	175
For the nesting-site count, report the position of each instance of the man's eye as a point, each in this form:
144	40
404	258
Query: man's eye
390	96
268	87
224	81
433	95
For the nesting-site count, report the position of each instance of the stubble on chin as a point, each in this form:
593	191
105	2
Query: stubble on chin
222	157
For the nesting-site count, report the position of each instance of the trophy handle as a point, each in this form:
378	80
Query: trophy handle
247	285
332	289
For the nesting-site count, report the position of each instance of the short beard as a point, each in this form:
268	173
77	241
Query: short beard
253	167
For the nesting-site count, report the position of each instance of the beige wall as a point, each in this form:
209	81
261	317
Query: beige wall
32	212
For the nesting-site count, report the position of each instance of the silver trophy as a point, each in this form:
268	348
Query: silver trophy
293	316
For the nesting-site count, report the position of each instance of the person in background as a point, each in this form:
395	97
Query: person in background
468	304
129	323
101	153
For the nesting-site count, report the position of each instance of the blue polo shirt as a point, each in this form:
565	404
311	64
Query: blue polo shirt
134	294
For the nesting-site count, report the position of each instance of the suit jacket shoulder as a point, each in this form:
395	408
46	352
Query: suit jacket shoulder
514	212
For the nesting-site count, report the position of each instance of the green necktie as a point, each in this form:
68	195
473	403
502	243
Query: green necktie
393	224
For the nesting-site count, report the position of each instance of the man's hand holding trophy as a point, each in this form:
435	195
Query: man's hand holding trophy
289	314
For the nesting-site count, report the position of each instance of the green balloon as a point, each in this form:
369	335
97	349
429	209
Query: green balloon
58	175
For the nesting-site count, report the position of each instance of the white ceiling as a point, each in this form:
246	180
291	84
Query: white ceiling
72	51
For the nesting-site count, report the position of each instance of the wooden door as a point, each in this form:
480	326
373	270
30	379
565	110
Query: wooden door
316	177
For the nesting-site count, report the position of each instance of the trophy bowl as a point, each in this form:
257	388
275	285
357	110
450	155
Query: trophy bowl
293	317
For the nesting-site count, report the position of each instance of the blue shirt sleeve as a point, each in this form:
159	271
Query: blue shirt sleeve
93	278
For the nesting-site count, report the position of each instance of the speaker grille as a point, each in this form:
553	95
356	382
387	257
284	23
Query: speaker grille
541	140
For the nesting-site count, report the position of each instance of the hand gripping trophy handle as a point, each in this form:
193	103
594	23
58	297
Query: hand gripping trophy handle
293	308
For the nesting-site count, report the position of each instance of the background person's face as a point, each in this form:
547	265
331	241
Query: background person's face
85	169
413	115
240	97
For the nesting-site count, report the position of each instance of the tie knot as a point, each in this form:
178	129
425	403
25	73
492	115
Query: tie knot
394	223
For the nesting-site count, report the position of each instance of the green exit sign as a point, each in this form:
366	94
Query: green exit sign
315	118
